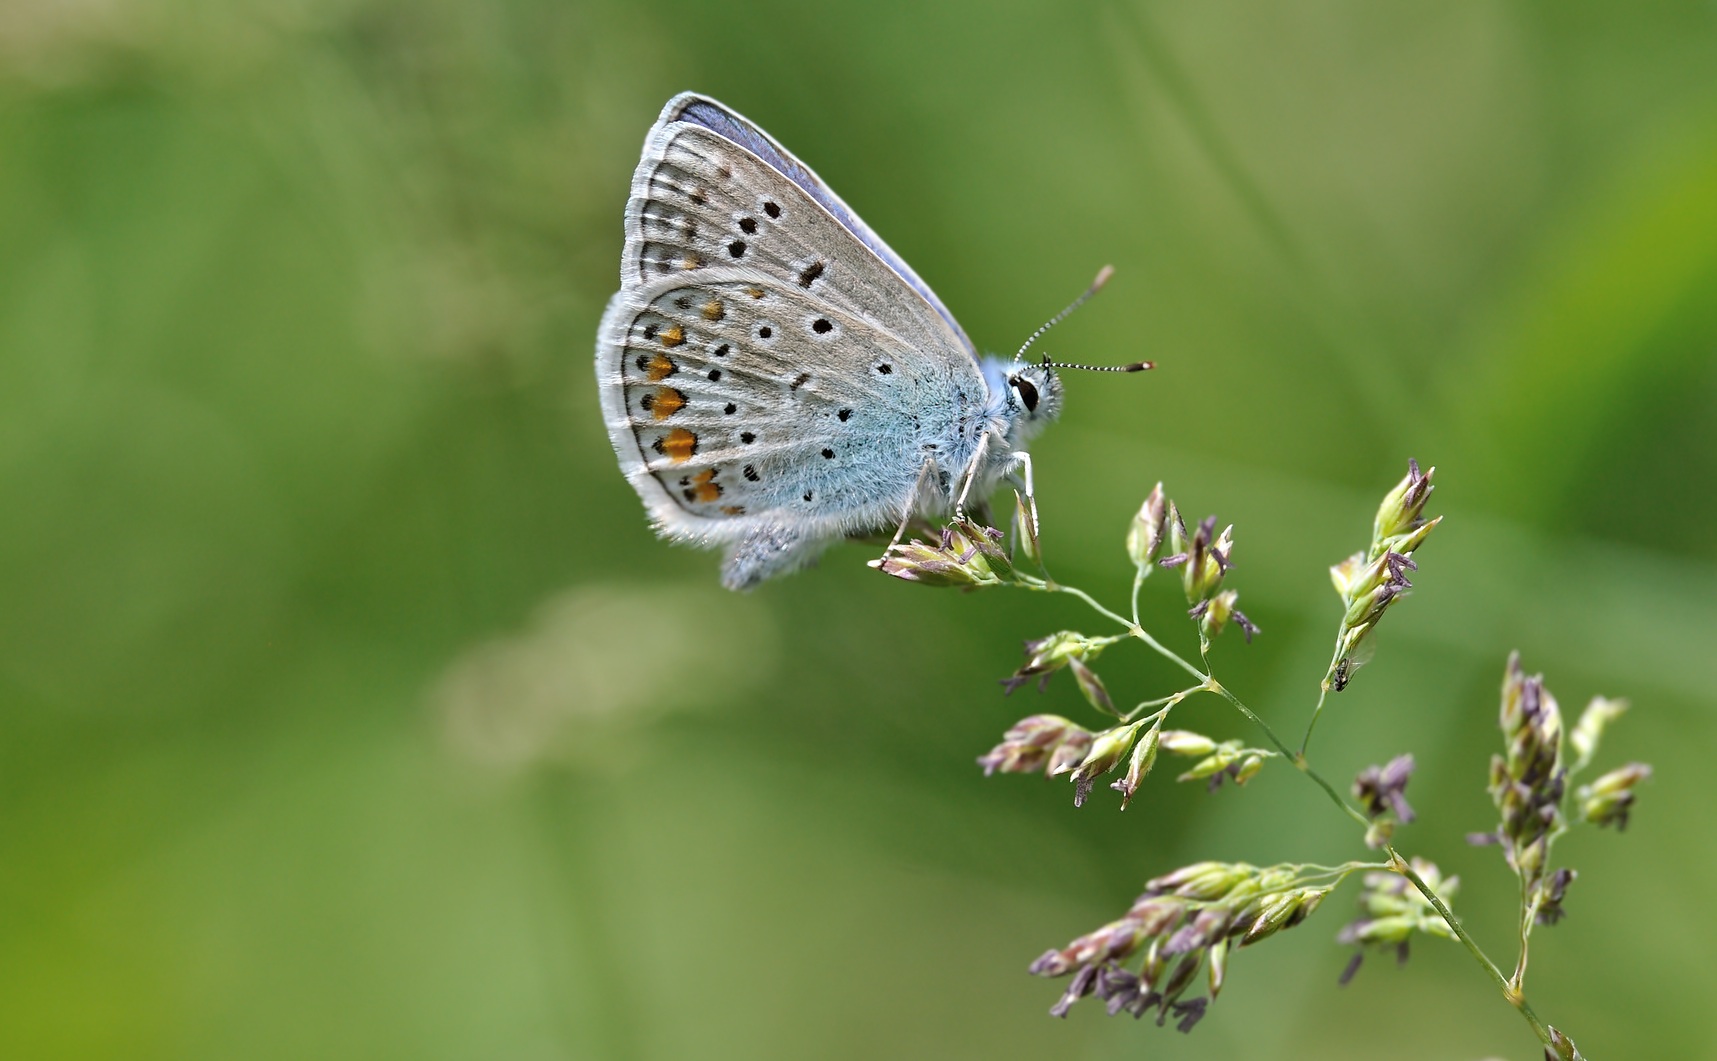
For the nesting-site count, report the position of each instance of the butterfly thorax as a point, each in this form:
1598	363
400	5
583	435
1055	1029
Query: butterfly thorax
1019	402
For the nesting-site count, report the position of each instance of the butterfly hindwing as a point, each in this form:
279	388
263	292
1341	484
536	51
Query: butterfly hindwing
743	400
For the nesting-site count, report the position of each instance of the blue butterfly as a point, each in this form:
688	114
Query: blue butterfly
774	378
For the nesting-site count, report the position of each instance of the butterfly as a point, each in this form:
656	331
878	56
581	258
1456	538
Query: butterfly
773	377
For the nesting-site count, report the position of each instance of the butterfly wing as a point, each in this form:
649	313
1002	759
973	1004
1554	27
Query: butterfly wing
742	401
755	304
709	190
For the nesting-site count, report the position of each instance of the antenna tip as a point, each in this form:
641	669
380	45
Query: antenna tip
1139	366
1103	276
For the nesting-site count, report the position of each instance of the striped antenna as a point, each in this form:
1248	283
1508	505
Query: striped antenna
1103	276
1137	366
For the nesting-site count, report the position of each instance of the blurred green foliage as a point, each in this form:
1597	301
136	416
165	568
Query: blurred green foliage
349	709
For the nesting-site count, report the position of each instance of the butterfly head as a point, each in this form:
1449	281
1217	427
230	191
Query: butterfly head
1036	393
1034	390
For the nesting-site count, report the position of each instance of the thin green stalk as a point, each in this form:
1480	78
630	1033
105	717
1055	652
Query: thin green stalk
1048	585
1528	914
1172	656
1306	740
1300	763
1514	996
1323	694
1340	871
1167	703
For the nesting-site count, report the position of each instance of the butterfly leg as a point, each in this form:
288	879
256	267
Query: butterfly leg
924	474
971	475
766	552
1022	460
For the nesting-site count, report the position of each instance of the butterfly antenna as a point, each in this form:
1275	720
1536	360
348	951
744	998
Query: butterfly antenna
1103	276
1136	366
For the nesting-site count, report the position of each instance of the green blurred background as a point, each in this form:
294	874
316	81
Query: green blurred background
348	708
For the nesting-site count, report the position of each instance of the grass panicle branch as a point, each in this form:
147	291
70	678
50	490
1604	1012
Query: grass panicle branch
1194	918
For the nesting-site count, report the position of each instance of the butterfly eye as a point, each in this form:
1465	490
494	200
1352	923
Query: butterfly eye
1027	393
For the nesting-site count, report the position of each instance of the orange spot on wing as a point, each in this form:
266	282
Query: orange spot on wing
705	487
713	311
733	510
692	261
754	292
673	335
679	445
666	403
659	369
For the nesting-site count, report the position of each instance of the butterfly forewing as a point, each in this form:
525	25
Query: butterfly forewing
703	111
701	200
743	396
